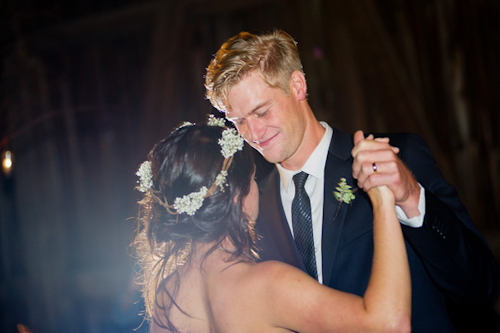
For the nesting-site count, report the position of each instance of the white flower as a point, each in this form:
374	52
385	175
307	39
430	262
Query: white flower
221	180
190	203
230	142
145	173
214	121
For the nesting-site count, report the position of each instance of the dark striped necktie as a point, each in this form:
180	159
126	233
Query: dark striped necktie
302	224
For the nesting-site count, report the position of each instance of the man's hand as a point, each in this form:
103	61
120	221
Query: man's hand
376	163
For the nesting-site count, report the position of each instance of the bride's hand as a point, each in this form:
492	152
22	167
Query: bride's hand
381	195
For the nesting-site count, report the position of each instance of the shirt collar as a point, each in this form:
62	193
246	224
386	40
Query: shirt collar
315	164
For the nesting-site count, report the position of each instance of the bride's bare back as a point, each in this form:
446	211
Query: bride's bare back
218	296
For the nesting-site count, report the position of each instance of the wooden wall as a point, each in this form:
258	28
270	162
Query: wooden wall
87	88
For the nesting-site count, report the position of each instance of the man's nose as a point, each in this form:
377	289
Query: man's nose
255	129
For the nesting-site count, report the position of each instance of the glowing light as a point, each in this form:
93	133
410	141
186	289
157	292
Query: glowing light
7	162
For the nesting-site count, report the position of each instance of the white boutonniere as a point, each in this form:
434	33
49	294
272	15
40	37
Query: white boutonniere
344	192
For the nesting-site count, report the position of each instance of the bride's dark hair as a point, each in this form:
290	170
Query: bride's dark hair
184	162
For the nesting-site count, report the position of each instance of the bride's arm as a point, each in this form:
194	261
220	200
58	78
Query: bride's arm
389	288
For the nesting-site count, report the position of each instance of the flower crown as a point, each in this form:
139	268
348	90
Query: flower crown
230	142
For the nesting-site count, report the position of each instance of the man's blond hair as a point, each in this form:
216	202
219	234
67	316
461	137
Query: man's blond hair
274	55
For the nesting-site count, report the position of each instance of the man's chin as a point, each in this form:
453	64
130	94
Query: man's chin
267	154
271	158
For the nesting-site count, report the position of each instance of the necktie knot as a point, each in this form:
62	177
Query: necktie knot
300	179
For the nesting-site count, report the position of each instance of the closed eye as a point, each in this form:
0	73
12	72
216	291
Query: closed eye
262	114
237	121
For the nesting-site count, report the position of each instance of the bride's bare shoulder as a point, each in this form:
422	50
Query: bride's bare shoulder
252	270
273	268
251	276
265	275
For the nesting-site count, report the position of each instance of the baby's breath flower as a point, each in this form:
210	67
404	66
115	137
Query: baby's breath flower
230	142
221	180
215	121
145	173
190	203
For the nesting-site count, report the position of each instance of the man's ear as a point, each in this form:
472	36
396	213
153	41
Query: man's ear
298	85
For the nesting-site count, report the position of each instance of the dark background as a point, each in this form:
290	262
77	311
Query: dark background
88	86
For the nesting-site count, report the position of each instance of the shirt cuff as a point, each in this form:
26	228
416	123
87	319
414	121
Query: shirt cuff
417	221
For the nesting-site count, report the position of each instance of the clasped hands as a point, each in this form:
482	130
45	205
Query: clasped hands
376	163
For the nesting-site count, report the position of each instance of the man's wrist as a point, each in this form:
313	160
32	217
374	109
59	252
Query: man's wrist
417	220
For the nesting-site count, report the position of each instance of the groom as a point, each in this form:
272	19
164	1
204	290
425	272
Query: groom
258	82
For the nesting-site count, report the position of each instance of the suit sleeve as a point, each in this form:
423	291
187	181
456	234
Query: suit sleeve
453	251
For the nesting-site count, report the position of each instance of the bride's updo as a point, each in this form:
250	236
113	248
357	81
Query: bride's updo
187	160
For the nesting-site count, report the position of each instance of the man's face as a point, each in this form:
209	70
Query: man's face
268	119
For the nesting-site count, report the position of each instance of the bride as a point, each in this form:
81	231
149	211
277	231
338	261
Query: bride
200	272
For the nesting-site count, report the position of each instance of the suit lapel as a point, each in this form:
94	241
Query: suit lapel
276	241
338	165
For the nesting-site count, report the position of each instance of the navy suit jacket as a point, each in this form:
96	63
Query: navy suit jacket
449	259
